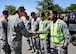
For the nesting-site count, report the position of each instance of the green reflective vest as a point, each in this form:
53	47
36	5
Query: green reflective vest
42	25
56	32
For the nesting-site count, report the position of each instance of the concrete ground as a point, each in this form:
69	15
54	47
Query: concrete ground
25	47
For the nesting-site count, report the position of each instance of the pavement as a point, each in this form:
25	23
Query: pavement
25	47
71	48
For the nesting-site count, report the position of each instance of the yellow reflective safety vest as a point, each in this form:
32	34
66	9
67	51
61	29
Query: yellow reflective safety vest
56	32
42	25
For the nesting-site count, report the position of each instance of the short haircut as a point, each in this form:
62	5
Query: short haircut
32	13
42	14
52	11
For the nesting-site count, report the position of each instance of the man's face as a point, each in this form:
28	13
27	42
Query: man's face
6	15
21	13
42	17
33	15
52	16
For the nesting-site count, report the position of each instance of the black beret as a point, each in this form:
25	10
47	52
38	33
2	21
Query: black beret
5	12
21	8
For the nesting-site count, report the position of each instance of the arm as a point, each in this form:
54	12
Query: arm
46	29
2	34
23	30
67	35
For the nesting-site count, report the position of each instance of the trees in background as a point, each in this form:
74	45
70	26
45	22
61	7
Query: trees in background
47	5
43	6
11	9
72	7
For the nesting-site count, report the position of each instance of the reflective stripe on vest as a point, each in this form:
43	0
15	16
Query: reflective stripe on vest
42	25
56	32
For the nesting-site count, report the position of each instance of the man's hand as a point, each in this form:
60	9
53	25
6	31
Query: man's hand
64	46
35	33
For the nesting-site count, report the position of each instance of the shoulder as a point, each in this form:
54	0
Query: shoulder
13	17
12	20
63	24
40	21
38	18
47	22
2	20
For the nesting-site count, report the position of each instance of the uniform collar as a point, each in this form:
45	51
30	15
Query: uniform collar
56	21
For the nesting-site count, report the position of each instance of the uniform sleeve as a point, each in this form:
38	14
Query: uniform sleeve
23	30
45	30
2	35
66	32
48	22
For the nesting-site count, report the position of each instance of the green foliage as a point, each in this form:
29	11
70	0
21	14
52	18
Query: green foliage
57	8
11	9
72	7
47	5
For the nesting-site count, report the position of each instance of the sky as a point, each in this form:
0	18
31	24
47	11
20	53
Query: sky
30	5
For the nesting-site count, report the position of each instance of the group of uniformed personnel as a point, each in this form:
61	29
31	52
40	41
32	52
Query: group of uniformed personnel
36	29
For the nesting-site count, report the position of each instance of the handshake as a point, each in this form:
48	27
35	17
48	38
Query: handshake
35	33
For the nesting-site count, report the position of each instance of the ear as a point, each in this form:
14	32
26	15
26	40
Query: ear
55	15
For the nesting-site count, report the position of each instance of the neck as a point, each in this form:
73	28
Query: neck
55	20
6	17
42	19
19	15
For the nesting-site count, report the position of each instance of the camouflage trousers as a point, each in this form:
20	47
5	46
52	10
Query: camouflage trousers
16	47
13	48
43	46
58	48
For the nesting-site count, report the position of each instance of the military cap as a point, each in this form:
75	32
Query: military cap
5	12
20	8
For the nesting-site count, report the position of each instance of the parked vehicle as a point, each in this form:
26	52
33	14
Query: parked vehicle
71	22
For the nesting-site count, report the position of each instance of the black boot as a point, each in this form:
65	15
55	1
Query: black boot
30	48
33	51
